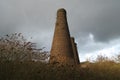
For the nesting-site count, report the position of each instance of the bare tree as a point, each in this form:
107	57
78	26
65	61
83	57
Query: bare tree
15	47
117	58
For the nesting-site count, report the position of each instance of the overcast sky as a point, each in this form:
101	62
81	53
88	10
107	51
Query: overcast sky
95	24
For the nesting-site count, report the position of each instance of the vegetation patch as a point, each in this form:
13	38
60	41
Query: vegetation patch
18	62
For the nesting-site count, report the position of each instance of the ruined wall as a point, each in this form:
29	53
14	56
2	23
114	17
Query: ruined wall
61	50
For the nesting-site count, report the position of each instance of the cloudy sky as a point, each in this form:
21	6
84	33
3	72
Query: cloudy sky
95	24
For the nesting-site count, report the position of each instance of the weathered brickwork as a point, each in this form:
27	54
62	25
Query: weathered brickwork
61	50
75	51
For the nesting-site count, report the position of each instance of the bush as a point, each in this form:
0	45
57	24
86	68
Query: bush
16	55
15	47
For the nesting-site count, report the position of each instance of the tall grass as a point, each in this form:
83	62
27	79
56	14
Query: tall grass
16	63
42	71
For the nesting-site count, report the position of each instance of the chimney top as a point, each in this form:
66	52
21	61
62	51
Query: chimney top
61	10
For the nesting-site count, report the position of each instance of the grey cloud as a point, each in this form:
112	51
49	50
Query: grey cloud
36	18
100	19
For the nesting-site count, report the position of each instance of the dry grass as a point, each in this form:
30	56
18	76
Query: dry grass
14	66
42	71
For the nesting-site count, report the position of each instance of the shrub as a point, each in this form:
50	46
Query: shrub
15	47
